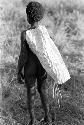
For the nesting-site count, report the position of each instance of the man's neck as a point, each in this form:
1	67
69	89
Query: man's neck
35	25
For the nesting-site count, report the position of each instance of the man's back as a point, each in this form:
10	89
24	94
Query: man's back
29	60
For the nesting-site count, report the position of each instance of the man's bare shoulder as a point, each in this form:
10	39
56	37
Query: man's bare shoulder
23	34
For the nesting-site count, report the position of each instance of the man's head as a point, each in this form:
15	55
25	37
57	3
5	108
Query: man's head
34	11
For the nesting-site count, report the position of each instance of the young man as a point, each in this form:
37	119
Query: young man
32	67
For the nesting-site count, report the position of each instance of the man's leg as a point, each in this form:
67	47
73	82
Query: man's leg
30	82
41	86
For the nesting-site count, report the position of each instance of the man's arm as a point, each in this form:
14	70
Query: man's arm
23	54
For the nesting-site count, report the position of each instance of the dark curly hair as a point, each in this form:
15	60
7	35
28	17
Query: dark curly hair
34	11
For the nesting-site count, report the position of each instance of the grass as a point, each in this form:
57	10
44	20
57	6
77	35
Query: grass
14	96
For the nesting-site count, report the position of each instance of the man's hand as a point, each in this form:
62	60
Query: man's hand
20	78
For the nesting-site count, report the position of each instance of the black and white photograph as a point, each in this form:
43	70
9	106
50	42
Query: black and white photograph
41	62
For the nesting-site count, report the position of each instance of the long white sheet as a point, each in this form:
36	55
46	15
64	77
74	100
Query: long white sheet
42	45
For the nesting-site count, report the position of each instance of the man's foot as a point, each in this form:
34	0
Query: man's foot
30	123
33	122
46	120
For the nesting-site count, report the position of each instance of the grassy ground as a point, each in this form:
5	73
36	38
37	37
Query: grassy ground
14	109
